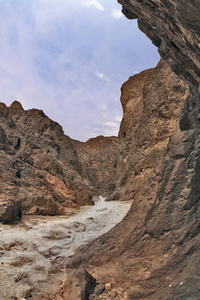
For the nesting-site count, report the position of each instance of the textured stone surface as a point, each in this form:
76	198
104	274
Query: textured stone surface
154	252
98	158
151	101
40	168
173	26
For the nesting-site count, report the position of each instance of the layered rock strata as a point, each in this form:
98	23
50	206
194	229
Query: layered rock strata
40	168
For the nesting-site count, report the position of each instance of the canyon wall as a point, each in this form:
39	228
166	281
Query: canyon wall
173	26
154	252
42	171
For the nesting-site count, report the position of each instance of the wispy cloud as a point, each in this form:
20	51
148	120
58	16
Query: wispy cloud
103	106
101	76
118	118
94	3
117	14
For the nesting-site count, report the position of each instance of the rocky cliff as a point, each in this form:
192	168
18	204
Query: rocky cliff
42	171
154	252
98	158
173	26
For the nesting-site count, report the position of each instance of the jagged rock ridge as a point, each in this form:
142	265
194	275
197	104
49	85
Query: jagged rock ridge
41	169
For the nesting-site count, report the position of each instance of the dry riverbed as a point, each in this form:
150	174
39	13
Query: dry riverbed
33	254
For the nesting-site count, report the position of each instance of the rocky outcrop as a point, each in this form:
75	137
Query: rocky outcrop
152	102
173	26
41	172
154	252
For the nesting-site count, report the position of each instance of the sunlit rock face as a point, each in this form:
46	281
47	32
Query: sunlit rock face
154	252
42	171
152	102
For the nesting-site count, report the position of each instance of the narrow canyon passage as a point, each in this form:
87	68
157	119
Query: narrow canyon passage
33	254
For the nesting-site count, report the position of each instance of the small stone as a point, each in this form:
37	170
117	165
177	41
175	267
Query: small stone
181	283
170	285
99	288
113	294
108	286
58	297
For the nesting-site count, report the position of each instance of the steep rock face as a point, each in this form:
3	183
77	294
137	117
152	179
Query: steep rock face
154	252
173	26
98	158
40	169
152	102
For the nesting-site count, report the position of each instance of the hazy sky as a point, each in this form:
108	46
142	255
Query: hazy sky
70	58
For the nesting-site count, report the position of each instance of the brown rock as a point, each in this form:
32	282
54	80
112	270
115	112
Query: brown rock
108	286
113	294
159	169
58	297
98	157
41	171
173	26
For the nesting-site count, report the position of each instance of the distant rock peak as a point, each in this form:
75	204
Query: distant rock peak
16	105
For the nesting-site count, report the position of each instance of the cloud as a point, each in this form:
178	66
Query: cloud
101	76
110	124
118	118
103	106
94	3
117	14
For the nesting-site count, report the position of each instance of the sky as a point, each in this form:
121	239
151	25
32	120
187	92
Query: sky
70	58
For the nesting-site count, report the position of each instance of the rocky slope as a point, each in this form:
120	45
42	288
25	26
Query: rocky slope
154	252
40	169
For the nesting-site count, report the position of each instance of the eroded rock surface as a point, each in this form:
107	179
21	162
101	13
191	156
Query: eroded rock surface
40	168
154	252
98	158
152	102
34	252
173	26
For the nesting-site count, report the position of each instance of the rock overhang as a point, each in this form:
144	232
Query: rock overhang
174	27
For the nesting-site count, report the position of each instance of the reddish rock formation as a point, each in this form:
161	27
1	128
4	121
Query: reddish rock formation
41	172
